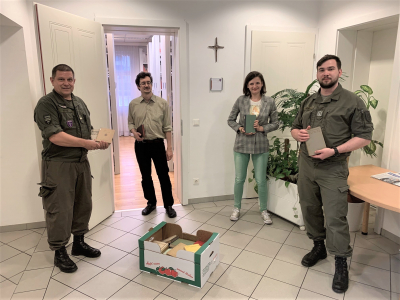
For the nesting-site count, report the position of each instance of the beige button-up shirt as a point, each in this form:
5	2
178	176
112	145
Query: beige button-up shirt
155	116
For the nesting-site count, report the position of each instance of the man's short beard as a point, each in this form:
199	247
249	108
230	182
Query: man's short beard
329	85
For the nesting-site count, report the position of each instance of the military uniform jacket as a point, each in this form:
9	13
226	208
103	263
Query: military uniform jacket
268	119
54	114
341	116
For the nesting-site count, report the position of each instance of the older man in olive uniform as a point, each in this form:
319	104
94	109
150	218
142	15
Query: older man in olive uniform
66	187
346	126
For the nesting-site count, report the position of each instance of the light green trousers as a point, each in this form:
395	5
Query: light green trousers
260	170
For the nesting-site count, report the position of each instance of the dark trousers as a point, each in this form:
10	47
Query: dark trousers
324	184
68	201
145	152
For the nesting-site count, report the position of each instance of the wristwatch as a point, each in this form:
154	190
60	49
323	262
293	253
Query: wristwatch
336	152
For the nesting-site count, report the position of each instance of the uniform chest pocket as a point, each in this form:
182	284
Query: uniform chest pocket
68	120
306	119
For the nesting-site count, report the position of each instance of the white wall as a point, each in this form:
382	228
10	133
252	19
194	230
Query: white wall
18	163
211	144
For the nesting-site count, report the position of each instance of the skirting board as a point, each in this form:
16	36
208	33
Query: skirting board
18	227
210	199
390	236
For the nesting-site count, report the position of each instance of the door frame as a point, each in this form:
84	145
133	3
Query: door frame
181	88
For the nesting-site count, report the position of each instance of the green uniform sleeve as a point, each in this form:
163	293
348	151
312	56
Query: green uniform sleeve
298	121
46	117
361	123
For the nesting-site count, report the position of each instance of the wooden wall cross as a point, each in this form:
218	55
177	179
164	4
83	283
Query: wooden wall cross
216	47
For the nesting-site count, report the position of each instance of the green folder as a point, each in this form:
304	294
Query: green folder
249	123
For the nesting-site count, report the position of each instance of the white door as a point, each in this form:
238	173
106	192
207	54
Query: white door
78	42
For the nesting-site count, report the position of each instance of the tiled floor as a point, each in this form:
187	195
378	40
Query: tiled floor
257	261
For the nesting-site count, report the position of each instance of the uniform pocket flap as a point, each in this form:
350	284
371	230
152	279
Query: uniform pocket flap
344	189
46	189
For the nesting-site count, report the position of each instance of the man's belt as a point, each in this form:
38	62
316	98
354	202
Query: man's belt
159	140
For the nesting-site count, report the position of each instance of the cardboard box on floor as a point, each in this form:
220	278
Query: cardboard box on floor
192	268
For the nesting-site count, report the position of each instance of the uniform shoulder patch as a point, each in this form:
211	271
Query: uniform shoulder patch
367	115
47	119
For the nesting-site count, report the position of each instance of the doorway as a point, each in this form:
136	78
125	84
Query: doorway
130	52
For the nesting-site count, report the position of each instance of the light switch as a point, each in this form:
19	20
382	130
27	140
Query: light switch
196	122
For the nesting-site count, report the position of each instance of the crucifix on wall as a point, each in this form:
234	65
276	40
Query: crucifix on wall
216	47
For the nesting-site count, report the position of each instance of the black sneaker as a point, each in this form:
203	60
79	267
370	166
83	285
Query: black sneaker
170	212
62	260
340	282
148	209
318	252
79	247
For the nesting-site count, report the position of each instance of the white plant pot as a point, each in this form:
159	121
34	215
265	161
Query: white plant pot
282	200
354	215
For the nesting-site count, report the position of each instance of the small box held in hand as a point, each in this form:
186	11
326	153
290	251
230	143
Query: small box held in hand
140	129
249	123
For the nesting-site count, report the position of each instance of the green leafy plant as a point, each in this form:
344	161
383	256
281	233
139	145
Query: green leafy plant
365	93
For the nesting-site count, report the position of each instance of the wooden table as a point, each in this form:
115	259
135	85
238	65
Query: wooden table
373	191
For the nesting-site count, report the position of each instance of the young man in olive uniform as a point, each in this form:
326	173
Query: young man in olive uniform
66	187
153	113
346	126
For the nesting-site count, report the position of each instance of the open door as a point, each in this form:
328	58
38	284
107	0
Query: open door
79	43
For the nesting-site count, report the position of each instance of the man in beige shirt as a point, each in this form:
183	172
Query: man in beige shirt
153	113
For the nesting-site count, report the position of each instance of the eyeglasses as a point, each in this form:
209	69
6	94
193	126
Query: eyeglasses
145	83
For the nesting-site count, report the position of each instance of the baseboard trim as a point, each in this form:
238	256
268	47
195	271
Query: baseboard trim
210	199
25	226
390	236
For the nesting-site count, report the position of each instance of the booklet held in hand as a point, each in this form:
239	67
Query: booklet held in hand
316	140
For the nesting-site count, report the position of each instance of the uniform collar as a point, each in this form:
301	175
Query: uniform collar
61	101
153	98
334	96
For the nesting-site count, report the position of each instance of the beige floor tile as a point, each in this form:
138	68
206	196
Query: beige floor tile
14	265
188	225
273	234
395	263
139	216
84	273
16	278
203	205
253	217
219	270
235	239
95	229
33	295
109	256
199	215
153	281
107	235
142	229
211	228
366	244
280	223
358	291
127	224
163	297
370	276
7	237
2	278
239	281
164	218
75	295
30	251
134	290
7	252
34	280
263	247
225	203
7	289
291	254
386	245
327	265
308	295
213	209
299	240
228	254
127	242
109	221
246	227
271	289
227	211
394	296
395	282
371	258
103	285
135	252
43	245
320	283
127	267
286	272
56	290
26	242
252	262
296	229
182	291
41	260
221	221
220	293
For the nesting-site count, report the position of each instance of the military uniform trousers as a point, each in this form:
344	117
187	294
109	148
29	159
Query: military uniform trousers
324	184
67	198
